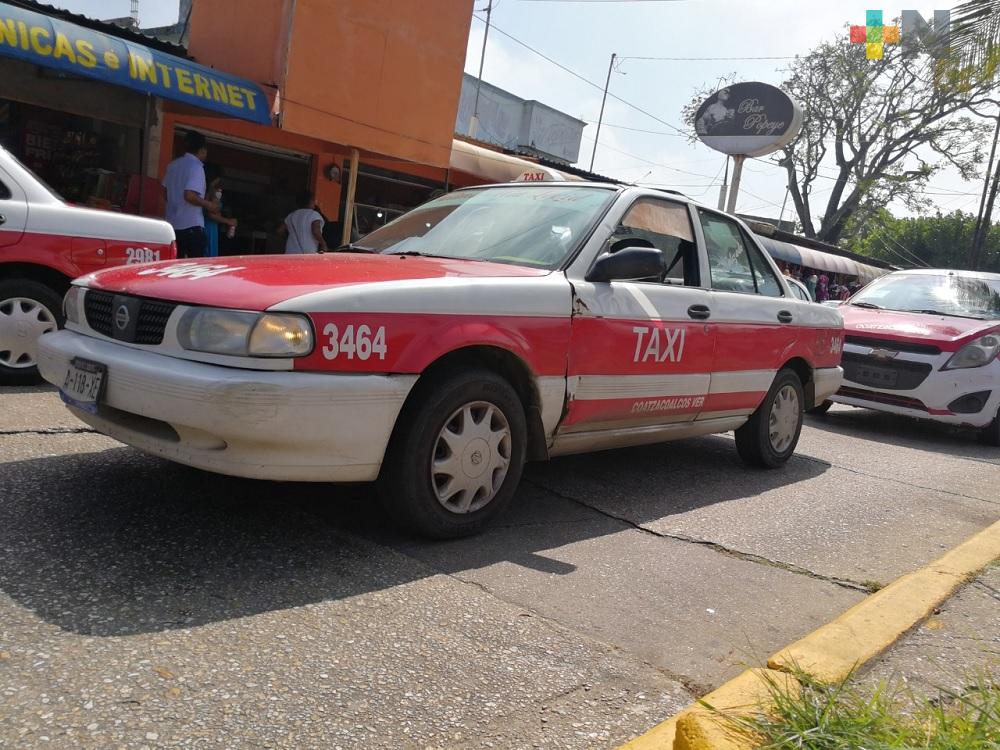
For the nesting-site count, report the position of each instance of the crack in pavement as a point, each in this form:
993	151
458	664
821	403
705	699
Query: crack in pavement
50	431
846	583
696	689
893	480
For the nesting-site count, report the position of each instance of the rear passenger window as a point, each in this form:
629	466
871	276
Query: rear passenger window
735	262
666	226
5	193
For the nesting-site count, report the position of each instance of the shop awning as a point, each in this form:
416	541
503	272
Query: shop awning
810	258
494	166
54	43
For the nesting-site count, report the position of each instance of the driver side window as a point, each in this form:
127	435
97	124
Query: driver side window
666	226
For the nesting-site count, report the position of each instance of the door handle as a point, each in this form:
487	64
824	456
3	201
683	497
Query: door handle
699	312
784	317
3	219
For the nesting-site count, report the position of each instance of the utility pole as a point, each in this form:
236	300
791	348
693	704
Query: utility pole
474	122
600	117
985	216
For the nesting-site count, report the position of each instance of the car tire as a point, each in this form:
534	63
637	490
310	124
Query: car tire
769	437
820	409
991	435
456	456
27	310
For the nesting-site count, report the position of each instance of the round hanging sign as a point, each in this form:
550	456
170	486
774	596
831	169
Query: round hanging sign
748	119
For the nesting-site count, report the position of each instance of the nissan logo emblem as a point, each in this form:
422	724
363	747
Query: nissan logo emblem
121	317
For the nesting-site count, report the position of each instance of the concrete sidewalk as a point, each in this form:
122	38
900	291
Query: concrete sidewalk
948	651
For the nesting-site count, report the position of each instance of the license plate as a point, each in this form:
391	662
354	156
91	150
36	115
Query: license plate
84	384
877	376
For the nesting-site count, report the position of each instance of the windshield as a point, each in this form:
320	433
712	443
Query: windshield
945	294
530	226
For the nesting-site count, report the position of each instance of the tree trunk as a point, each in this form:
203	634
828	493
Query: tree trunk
983	227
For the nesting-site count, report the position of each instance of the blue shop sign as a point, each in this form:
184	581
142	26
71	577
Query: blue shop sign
54	43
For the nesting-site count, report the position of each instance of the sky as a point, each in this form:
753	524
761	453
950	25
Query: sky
581	35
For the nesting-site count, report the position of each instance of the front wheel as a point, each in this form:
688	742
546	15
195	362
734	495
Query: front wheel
769	437
991	435
456	457
28	309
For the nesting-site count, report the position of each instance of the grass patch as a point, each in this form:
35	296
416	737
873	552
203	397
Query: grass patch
849	715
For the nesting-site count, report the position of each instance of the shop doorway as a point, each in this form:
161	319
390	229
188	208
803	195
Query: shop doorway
87	161
259	188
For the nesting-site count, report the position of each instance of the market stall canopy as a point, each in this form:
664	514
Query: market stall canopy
496	167
54	43
809	258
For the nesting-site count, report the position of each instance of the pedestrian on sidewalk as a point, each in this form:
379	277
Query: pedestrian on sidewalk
184	190
303	227
214	220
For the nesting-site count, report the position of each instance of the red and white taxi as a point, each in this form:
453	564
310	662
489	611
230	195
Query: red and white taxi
925	343
44	243
488	327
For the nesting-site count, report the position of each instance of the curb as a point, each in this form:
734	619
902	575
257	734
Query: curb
830	653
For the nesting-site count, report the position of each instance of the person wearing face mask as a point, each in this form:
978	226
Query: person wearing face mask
214	220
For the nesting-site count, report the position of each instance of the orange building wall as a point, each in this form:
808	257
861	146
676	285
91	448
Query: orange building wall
246	37
380	76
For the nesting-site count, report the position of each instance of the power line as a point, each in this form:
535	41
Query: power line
704	59
573	73
653	163
638	130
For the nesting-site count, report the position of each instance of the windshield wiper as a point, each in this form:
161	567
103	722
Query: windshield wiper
867	305
352	248
945	314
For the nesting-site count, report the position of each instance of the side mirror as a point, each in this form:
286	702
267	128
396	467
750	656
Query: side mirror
628	264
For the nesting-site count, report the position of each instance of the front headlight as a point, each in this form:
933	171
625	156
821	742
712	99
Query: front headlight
245	334
281	336
976	353
72	303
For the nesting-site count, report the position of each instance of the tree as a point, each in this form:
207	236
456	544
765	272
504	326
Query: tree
939	241
874	131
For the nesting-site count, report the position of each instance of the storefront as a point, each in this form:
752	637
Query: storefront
80	105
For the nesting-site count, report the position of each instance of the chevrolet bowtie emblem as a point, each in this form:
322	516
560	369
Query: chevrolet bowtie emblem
883	354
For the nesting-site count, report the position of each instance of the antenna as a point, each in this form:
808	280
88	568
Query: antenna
135	13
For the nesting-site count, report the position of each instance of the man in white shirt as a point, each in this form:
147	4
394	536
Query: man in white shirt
303	227
184	190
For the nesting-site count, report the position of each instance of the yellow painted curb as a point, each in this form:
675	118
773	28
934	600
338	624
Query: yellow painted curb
832	652
828	654
698	726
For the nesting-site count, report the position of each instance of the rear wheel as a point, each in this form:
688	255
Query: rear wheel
769	437
28	309
456	457
991	435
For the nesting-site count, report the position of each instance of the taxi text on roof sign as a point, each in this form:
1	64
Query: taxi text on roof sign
53	43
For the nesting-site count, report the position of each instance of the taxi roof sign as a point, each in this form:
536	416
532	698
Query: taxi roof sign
541	174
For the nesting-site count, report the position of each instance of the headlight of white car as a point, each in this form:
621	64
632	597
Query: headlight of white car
71	304
243	334
976	353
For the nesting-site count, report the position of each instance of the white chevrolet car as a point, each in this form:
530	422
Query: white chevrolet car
925	344
486	327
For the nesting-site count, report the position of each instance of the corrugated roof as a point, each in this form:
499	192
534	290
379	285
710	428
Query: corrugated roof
102	26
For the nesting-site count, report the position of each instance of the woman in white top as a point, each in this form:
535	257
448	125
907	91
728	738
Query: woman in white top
303	227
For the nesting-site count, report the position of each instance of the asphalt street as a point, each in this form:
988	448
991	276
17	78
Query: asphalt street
145	604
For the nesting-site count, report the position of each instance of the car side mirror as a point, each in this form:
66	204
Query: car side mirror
628	264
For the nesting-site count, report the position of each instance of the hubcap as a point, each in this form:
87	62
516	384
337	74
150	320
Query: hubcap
471	457
22	321
784	421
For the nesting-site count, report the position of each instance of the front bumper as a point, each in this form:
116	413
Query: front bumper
264	425
934	396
